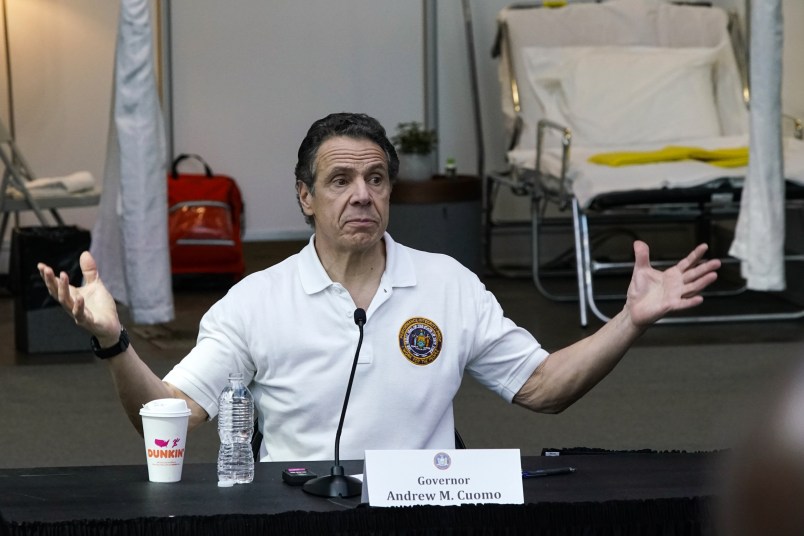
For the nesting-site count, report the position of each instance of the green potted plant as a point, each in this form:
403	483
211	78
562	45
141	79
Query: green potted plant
414	145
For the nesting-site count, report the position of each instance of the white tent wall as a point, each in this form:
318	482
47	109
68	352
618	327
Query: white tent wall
248	81
62	57
250	77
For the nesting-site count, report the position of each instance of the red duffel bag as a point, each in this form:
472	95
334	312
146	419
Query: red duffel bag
205	222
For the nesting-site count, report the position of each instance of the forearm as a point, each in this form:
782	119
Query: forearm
136	384
567	374
93	308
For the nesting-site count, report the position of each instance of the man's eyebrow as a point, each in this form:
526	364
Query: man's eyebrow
379	165
349	169
340	169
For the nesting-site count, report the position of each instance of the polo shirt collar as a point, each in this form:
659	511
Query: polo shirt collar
399	270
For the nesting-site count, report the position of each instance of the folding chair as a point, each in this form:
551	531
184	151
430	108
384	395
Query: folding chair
651	79
17	177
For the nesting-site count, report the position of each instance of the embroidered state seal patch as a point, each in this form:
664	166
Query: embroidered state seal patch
420	340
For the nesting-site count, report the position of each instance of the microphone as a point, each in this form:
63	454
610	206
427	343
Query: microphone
337	484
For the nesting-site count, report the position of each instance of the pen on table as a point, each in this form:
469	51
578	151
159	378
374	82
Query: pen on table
548	472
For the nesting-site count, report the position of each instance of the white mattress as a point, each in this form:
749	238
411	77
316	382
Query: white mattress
590	180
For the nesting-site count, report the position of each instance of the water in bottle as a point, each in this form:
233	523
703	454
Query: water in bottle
235	428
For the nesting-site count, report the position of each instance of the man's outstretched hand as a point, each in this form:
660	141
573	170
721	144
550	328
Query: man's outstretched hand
91	305
653	293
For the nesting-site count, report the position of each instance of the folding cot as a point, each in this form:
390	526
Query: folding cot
625	82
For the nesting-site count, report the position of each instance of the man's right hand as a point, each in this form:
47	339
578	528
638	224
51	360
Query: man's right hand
91	305
94	309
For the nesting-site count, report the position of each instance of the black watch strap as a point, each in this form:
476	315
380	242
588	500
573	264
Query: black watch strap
117	349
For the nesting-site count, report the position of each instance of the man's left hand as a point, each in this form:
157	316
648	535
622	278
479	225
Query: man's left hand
653	293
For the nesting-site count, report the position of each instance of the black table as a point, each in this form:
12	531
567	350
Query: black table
608	494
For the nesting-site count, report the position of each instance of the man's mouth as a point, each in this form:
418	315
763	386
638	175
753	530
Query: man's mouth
360	221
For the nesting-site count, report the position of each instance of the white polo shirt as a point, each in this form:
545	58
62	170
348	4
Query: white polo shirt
290	330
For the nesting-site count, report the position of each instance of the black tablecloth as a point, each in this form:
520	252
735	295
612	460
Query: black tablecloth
608	494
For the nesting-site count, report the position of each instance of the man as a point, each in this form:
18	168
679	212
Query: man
290	328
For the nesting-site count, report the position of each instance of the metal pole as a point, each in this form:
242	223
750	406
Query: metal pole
430	14
473	83
165	58
9	85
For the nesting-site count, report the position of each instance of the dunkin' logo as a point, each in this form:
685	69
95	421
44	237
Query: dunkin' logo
163	451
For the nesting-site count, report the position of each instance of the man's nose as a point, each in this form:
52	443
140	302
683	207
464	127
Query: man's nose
360	192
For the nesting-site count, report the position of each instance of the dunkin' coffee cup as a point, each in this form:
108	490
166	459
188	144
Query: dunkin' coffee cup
164	427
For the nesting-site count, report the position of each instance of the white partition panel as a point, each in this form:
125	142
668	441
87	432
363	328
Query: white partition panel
250	77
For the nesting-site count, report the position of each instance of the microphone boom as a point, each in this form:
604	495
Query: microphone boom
337	484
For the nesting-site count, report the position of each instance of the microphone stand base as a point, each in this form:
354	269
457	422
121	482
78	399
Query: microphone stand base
334	486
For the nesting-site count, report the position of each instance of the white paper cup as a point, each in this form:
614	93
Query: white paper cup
164	426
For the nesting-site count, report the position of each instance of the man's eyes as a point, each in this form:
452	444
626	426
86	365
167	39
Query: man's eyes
342	180
339	180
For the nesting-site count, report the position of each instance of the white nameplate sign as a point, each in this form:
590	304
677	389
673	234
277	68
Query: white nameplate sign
442	477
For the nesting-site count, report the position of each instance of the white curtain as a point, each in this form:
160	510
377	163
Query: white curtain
759	236
130	239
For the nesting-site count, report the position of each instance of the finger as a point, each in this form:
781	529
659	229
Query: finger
695	287
52	284
63	294
701	270
42	268
692	301
88	267
692	259
83	316
641	255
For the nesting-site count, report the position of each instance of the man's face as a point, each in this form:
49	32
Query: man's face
352	192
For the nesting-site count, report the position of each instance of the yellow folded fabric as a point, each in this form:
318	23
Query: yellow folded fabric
630	158
726	157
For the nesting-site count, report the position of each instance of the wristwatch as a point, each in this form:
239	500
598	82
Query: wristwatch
117	349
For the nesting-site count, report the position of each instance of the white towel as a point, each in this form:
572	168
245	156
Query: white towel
75	183
130	238
759	234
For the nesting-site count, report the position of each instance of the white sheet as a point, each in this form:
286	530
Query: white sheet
631	23
626	95
79	182
130	239
759	236
589	180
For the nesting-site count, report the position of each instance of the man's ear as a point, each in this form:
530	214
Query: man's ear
304	194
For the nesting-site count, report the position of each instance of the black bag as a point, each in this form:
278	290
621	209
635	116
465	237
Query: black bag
40	323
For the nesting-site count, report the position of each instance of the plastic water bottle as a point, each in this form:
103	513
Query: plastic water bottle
235	428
